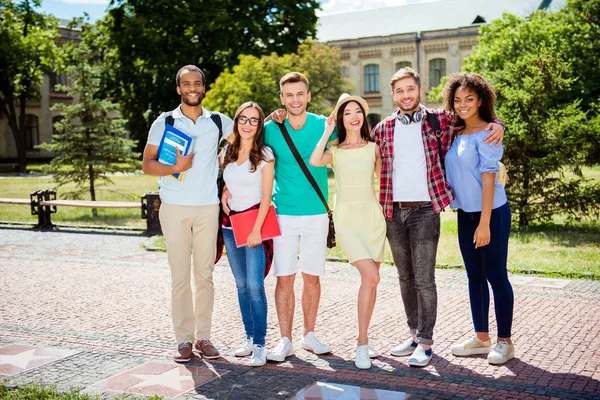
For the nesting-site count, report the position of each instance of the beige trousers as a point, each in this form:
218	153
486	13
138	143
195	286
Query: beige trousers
191	231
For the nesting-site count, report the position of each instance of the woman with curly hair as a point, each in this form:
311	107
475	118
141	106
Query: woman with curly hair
484	215
248	171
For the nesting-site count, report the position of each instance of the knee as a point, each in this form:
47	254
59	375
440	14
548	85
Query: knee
371	280
285	283
311	280
256	286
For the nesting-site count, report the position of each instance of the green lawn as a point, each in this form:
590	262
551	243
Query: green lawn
551	250
36	392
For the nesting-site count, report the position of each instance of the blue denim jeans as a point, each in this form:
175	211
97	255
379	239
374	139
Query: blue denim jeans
248	267
414	234
488	264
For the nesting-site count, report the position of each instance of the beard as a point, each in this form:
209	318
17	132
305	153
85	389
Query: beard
413	107
186	100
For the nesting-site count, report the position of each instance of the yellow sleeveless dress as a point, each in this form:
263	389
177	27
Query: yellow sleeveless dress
357	214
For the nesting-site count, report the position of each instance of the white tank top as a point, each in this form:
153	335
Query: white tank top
245	186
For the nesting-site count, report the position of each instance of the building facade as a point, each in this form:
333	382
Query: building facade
39	118
433	37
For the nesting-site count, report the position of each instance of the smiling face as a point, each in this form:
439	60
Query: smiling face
247	123
353	117
466	103
295	97
191	89
406	93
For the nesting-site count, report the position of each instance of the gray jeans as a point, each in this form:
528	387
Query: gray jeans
414	234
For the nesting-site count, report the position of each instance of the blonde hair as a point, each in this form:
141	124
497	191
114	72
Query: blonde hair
293	77
406	72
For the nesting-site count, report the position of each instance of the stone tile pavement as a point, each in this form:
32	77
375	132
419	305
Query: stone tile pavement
91	310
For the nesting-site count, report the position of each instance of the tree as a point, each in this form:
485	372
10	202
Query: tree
547	142
27	51
151	40
91	143
545	71
257	79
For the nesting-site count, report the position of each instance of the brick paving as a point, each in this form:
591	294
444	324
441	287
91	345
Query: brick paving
86	307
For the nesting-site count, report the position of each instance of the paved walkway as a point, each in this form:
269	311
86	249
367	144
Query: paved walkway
92	310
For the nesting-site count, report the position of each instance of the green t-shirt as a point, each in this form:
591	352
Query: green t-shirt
292	192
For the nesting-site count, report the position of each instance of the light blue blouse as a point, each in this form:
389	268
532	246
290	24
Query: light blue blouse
468	157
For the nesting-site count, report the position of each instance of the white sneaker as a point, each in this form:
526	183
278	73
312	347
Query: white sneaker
501	353
471	346
244	349
404	349
259	356
310	342
420	357
363	361
372	352
283	349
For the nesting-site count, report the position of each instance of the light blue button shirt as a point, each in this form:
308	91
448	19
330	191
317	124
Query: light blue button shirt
468	157
199	184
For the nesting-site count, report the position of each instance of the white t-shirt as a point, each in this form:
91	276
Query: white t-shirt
409	170
245	186
199	184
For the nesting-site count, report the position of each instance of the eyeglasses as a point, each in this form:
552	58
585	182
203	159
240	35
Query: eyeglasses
244	120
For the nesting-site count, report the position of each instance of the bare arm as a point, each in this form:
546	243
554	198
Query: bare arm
482	233
268	173
497	133
320	155
151	165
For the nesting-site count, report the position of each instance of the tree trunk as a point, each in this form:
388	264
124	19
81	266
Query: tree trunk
20	139
92	188
523	212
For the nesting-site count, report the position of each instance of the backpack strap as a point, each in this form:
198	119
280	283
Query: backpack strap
169	119
216	118
434	122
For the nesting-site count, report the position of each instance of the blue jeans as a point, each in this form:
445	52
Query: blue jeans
488	264
414	234
248	267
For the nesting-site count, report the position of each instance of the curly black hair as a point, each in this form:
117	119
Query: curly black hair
477	83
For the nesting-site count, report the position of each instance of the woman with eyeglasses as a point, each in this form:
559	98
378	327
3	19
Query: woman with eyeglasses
248	168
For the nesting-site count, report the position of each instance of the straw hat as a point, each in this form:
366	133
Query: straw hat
345	98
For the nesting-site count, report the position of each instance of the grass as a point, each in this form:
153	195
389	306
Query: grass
553	249
36	392
126	188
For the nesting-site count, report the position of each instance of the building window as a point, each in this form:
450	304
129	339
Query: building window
437	69
403	64
373	119
372	78
344	71
32	134
57	79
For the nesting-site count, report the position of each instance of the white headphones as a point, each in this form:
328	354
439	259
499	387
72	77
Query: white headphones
407	119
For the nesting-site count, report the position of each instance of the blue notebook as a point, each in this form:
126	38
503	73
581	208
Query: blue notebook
172	140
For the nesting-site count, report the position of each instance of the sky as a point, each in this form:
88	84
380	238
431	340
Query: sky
68	9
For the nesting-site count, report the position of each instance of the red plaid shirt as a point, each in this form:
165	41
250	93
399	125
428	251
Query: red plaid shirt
439	190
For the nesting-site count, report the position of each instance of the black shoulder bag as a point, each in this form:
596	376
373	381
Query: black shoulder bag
331	234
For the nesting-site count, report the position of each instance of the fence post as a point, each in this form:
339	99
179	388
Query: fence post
43	212
150	207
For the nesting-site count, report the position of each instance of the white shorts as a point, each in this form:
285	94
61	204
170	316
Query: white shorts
310	233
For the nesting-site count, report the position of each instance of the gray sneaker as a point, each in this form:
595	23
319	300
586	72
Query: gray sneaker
404	349
501	353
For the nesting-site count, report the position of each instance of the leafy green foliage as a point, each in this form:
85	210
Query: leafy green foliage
545	70
257	79
91	141
27	51
148	41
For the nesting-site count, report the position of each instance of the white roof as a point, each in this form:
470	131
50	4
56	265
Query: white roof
428	16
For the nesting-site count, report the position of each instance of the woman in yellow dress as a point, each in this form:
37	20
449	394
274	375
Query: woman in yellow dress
357	214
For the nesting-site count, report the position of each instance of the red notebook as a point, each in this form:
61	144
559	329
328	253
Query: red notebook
242	224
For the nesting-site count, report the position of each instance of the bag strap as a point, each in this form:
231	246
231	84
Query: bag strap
434	122
302	165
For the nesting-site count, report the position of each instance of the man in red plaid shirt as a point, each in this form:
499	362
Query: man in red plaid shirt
413	191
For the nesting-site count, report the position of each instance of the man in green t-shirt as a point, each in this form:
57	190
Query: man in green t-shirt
302	216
